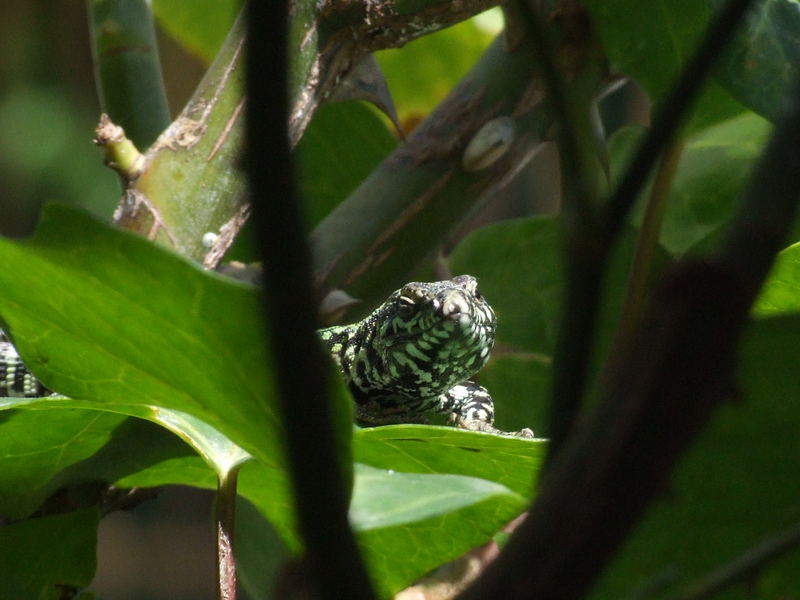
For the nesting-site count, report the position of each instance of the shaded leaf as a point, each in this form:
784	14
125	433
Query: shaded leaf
653	41
764	57
423	520
520	387
341	147
36	445
737	486
714	167
40	554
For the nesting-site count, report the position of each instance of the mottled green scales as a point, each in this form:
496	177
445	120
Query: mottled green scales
415	354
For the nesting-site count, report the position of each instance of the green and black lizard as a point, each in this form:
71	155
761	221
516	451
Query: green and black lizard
413	355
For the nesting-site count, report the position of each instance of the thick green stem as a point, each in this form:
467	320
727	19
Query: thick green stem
127	67
191	194
425	188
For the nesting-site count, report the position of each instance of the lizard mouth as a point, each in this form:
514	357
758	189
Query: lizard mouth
454	307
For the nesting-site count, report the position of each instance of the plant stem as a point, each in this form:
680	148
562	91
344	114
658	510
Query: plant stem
671	113
192	184
121	154
127	67
321	495
225	516
646	244
421	192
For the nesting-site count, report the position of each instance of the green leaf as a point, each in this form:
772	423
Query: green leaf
519	267
388	498
40	554
511	462
201	25
133	325
410	523
737	486
519	384
764	57
37	445
781	292
713	170
342	145
653	41
119	324
423	72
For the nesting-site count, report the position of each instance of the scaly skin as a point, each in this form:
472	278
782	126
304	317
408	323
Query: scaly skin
15	379
413	355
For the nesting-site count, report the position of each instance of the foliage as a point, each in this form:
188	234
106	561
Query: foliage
162	364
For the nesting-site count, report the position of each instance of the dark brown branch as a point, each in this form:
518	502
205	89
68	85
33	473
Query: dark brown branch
300	367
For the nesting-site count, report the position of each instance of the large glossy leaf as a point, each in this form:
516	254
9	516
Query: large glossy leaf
115	322
417	480
102	315
429	478
40	555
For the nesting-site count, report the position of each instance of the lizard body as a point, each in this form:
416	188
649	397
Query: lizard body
415	353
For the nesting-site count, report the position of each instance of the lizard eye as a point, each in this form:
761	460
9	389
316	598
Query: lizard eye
405	306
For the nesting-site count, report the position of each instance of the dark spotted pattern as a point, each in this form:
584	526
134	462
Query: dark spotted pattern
15	380
415	352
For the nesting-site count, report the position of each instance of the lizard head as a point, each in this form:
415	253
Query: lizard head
434	335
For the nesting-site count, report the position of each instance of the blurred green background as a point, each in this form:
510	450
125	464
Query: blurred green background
49	108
